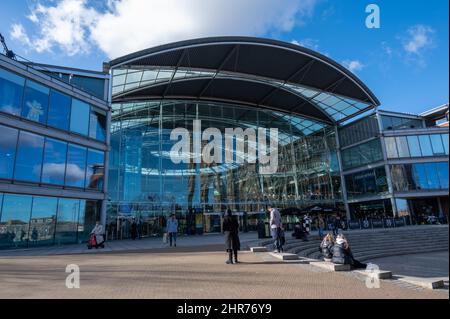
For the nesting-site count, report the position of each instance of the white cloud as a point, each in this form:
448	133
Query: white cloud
74	26
419	38
309	43
18	33
353	65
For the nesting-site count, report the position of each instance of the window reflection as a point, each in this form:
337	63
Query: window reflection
76	166
43	221
8	141
14	221
97	124
29	157
11	92
425	145
67	221
420	176
54	166
79	117
436	144
35	103
59	110
95	169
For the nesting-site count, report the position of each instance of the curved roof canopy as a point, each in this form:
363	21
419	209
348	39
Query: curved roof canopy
251	71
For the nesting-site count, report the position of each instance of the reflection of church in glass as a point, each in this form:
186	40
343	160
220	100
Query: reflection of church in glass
96	180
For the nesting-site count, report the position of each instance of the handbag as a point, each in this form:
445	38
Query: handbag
165	238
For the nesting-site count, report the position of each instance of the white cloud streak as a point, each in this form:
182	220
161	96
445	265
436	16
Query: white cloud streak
125	26
353	65
419	39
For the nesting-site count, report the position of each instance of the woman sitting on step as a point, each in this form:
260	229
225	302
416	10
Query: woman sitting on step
343	255
326	247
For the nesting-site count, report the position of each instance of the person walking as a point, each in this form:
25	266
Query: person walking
172	230
276	228
336	225
230	228
320	225
133	229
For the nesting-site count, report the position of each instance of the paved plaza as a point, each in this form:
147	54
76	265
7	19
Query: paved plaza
185	272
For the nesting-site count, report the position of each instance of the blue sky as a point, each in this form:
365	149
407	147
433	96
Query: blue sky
405	62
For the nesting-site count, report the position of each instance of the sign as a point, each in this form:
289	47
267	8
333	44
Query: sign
354	224
366	224
377	223
389	222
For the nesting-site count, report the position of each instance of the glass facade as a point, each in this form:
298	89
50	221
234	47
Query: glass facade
420	176
400	123
146	183
27	221
362	154
366	183
417	146
38	103
363	129
29	157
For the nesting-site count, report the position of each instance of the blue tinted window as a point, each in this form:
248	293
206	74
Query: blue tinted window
67	221
14	220
11	92
97	125
420	176
8	141
29	157
442	169
43	221
79	117
54	165
445	142
414	147
76	166
436	143
432	176
35	103
425	145
95	168
59	110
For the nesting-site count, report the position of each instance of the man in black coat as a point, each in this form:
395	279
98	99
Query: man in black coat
230	228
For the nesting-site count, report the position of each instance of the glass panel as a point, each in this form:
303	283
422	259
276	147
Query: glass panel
445	142
11	92
35	103
67	221
79	117
43	220
414	147
425	145
29	157
134	77
97	125
442	169
89	213
14	221
420	176
95	169
402	146
76	166
54	165
432	174
402	207
8	141
391	148
436	144
59	110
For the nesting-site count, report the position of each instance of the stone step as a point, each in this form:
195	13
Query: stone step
330	266
380	274
428	283
258	249
285	256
